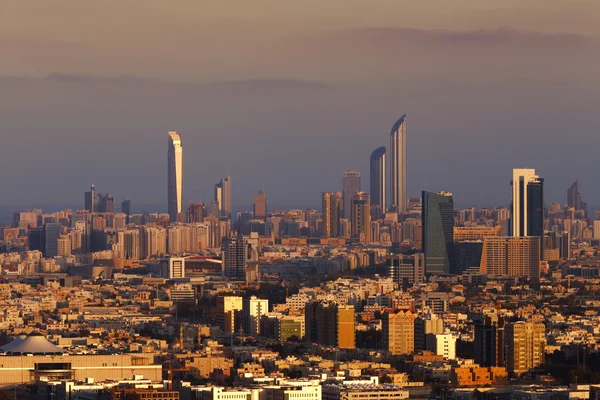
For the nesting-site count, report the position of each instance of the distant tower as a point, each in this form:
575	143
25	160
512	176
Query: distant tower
361	216
126	208
223	196
260	205
175	176
527	217
330	215
235	257
438	232
378	178
350	185
90	199
398	165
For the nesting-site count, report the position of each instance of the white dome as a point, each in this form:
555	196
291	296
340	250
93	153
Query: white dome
34	343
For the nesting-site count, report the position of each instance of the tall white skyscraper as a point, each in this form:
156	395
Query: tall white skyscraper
398	165
378	178
527	217
175	176
223	196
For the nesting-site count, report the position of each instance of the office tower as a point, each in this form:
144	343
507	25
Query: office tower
525	346
527	218
489	340
398	165
235	257
90	199
229	313
438	232
350	185
406	270
52	234
64	246
260	205
330	214
467	255
428	324
361	216
505	256
378	178
330	324
398	330
36	239
254	308
175	176
574	199
223	196
126	209
105	203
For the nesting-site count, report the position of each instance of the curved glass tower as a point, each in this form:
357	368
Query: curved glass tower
175	176
378	182
398	165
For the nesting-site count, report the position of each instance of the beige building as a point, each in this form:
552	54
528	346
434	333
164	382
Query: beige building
30	358
229	312
462	233
511	256
399	332
526	343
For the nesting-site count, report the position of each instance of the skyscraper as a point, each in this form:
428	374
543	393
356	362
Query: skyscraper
260	205
350	185
361	216
526	343
527	218
90	199
223	196
489	340
235	257
378	178
511	256
330	324
399	332
398	165
573	196
175	176
330	215
438	232
53	232
126	208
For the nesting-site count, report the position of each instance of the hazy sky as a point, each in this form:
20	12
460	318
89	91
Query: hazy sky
285	95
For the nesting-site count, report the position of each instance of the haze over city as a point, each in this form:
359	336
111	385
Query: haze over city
285	97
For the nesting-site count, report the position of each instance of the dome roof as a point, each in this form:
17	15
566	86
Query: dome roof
34	343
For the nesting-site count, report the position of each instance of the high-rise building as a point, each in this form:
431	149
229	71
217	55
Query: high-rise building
126	208
53	232
90	199
407	270
235	257
443	344
527	217
254	308
489	340
574	199
175	176
505	256
378	178
105	203
196	212
428	324
398	165
398	332
330	214
260	205
223	196
438	232
330	324
350	185
361	216
525	346
229	313
64	245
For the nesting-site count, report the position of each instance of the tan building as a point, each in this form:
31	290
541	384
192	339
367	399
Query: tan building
511	256
474	375
361	216
30	358
330	225
203	366
399	332
330	324
526	343
260	205
462	233
229	312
